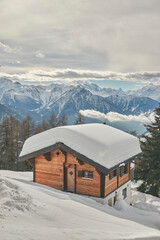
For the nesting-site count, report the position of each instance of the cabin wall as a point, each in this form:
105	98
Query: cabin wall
50	173
110	184
88	186
84	185
70	160
53	173
124	178
114	183
111	198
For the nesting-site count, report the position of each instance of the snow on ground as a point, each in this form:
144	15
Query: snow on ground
32	211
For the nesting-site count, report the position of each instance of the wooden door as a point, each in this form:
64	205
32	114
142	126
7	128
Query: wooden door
71	178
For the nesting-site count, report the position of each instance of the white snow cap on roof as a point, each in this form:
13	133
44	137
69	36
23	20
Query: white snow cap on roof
103	144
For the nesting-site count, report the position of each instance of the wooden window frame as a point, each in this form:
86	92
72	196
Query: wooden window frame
113	174
124	170
85	174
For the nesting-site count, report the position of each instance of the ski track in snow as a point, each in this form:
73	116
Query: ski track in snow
32	211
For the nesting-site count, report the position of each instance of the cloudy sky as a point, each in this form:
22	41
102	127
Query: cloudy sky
90	35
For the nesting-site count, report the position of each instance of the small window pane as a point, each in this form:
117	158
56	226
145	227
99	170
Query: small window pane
124	169
88	174
80	174
85	174
113	174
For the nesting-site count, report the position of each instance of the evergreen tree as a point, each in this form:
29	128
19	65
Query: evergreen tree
42	126
148	165
27	128
9	137
62	120
52	122
134	133
79	120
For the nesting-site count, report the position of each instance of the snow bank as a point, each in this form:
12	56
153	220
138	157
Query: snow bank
146	202
12	197
54	214
103	144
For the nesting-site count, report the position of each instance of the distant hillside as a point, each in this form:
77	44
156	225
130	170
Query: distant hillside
61	98
5	111
151	91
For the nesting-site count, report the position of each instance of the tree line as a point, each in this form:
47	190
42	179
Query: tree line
14	132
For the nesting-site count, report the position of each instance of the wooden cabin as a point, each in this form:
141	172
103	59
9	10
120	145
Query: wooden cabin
89	159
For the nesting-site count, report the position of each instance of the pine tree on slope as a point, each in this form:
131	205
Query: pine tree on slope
148	165
9	133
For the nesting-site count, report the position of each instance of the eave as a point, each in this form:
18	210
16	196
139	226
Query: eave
78	155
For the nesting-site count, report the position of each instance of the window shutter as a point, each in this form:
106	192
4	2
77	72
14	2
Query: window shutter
121	172
80	173
110	175
126	168
115	172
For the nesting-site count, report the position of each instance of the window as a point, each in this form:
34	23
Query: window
124	169
113	174
85	174
124	192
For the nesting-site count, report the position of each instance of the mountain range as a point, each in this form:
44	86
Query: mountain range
40	101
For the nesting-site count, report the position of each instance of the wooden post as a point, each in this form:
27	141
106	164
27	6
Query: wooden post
102	179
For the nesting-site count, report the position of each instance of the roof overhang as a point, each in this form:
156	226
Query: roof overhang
78	155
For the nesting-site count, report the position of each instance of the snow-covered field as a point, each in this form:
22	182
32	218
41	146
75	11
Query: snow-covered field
32	211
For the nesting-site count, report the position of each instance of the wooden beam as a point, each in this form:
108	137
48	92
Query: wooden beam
47	156
75	168
102	185
64	171
118	174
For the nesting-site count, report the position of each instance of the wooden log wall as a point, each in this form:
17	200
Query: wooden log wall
114	183
88	186
110	184
125	177
50	173
70	160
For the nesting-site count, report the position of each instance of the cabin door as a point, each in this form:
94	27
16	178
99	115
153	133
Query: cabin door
71	178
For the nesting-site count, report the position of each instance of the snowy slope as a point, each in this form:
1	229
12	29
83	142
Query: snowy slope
32	211
5	111
132	104
151	91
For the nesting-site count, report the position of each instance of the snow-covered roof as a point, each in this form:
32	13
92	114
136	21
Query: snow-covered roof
100	143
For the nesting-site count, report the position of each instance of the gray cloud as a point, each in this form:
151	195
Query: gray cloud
119	36
39	55
6	48
69	75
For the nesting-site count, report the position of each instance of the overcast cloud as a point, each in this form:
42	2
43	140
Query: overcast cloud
101	35
69	75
